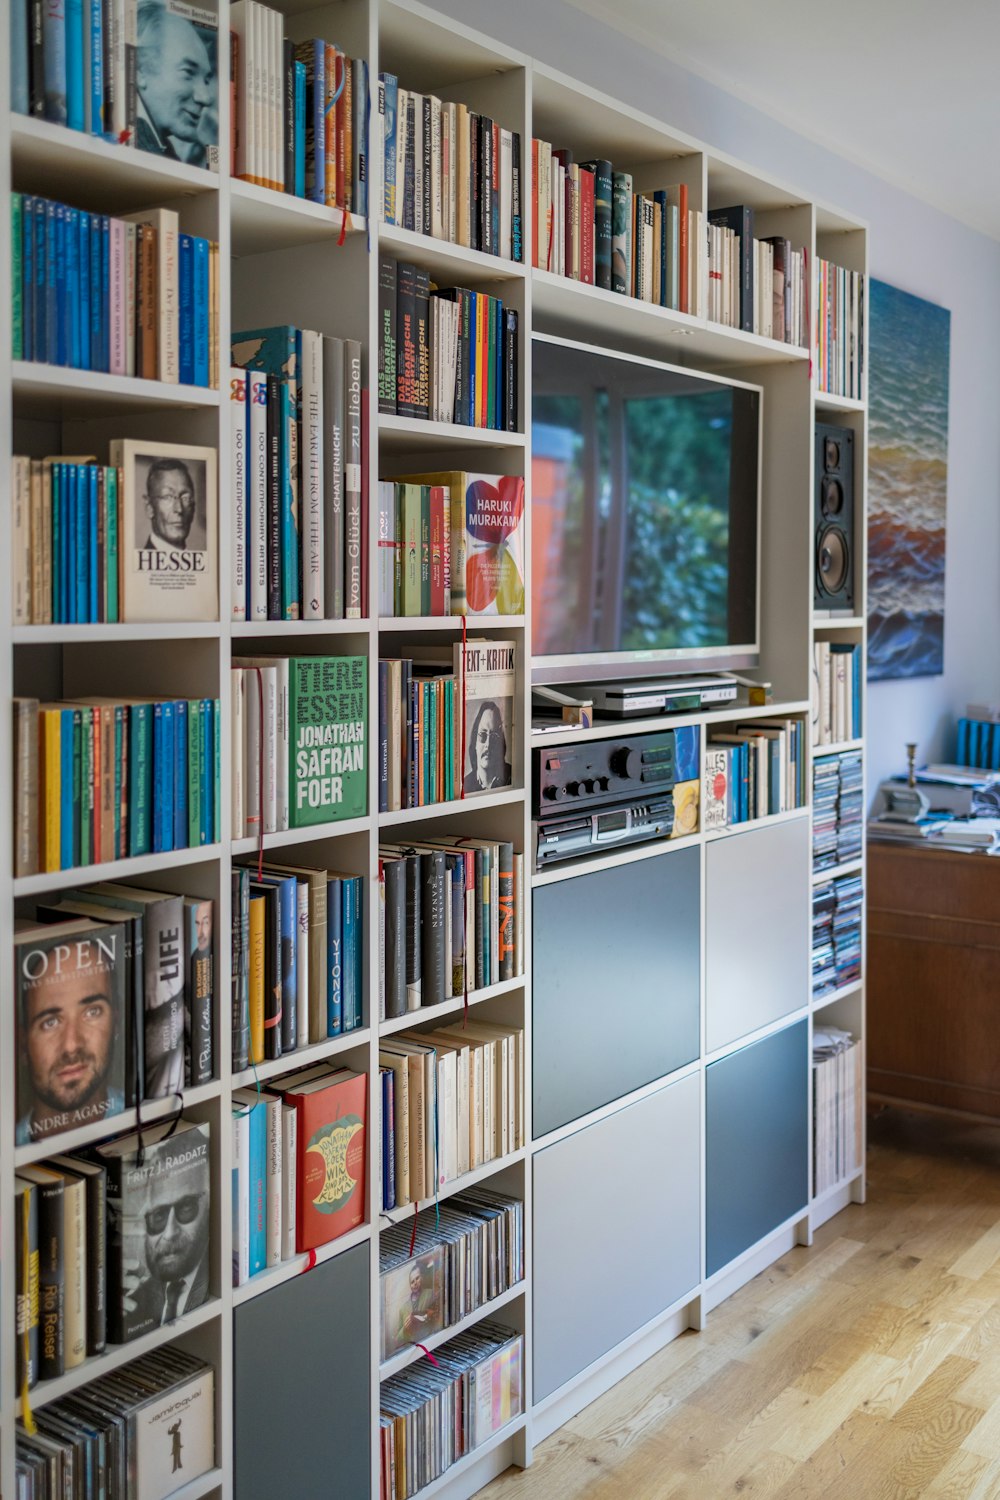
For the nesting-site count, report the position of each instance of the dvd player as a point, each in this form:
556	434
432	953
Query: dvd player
660	695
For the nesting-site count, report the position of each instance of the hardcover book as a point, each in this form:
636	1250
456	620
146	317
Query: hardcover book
487	540
70	987
159	1218
328	767
485	669
169	547
331	1127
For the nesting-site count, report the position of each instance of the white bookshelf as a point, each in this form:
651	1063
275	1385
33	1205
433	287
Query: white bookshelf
285	260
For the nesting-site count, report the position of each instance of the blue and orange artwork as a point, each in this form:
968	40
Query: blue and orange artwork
907	483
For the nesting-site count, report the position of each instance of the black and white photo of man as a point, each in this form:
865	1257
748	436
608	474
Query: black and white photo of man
169	530
176	86
169	1234
170	500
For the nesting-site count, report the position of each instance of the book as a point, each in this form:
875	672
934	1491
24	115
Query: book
332	1112
47	1190
26	1281
70	987
159	1225
199	991
487	540
93	1177
169	544
484	670
328	767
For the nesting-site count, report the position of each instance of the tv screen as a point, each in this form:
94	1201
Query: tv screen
645	501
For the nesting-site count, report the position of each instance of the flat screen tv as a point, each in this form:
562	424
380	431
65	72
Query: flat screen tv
645	517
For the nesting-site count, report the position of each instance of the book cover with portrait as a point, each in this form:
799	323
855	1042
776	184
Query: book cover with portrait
169	531
172	72
412	1298
159	1226
70	982
485	673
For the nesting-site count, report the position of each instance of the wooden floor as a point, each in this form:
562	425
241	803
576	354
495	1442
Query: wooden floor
866	1367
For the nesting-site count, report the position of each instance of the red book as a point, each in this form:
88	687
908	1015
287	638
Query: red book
683	248
587	226
332	1129
437	548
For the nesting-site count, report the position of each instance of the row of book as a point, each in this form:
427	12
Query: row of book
65	540
120	1434
298	1174
977	742
445	353
451	915
449	172
838	1102
452	1101
111	1245
300	111
838	812
446	733
451	543
148	958
125	296
98	779
299	515
836	692
758	285
76	65
445	1406
298	748
841	315
836	933
297	959
429	1279
756	771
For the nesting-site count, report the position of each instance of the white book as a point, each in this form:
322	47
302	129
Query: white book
131	243
165	222
238	380
261	714
241	1197
289	1142
257	151
415	104
333	477
237	754
437	165
451	181
275	682
311	475
386	547
272	1153
302	960
506	194
276	95
257	494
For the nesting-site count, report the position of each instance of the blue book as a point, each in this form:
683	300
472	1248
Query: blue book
140	778
962	752
19	69
185	308
335	957
216	830
206	760
62	320
90	473
318	183
74	64
105	284
83	282
350	919
28	276
54	53
70	535
390	206
67	812
200	312
163	783
257	1187
95	291
58	565
71	287
95	82
299	121
51	355
288	924
180	835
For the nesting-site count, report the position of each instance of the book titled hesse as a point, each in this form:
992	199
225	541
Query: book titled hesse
327	732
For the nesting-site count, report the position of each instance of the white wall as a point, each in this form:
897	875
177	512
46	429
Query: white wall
912	246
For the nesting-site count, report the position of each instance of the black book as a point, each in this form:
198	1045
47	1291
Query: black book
434	963
739	218
406	340
272	968
394	874
273	498
425	150
475	135
411	862
26	1278
486	185
422	303
36	46
510	382
240	975
289	111
96	1260
387	335
602	220
108	77
51	1284
517	229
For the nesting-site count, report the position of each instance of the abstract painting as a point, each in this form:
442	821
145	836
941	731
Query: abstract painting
909	342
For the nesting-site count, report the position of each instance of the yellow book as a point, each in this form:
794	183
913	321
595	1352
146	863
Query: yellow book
256	976
50	786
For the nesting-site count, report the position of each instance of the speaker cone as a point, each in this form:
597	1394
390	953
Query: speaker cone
831	497
831	453
833	560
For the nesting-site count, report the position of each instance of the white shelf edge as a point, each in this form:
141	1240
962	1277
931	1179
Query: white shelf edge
288	836
609	729
250	629
29	376
400	624
615	1106
456	1185
68	635
450	1007
407	1357
835	996
836	748
302	1057
443	433
626	854
117	1355
426	249
456	806
116	869
114	1125
759	1034
790	815
41	136
297	1265
849	867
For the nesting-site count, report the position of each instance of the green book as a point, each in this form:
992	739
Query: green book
425	549
412	597
17	309
327	728
111	543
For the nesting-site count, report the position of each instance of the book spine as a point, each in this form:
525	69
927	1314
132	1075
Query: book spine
257	1188
335	958
74	1250
334	450
273	1157
387	336
352	480
276	414
388	91
51	1281
201	337
313	598
302	962
240	946
289	1163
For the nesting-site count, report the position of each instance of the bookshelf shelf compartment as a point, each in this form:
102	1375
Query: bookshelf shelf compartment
450	809
123	1124
302	1057
611	729
301	835
818	751
297	1264
832	622
54	390
452	1477
407	1357
117	869
264	220
292	629
117	1355
790	815
834	997
456	1185
410	434
445	260
449	1007
52	159
825	401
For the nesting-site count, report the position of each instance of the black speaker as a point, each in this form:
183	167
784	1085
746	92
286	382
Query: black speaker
833	510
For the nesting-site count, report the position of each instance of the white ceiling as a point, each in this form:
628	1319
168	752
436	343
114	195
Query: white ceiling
917	98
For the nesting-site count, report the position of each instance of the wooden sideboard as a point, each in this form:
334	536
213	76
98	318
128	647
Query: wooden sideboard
933	987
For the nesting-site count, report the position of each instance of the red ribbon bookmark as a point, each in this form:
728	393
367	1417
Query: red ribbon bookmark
413	1232
426	1351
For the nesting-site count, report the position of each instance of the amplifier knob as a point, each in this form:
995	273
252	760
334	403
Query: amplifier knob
625	762
588	787
572	789
550	792
602	783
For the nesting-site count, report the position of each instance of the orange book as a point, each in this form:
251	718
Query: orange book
332	1112
345	116
331	75
340	130
49	786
